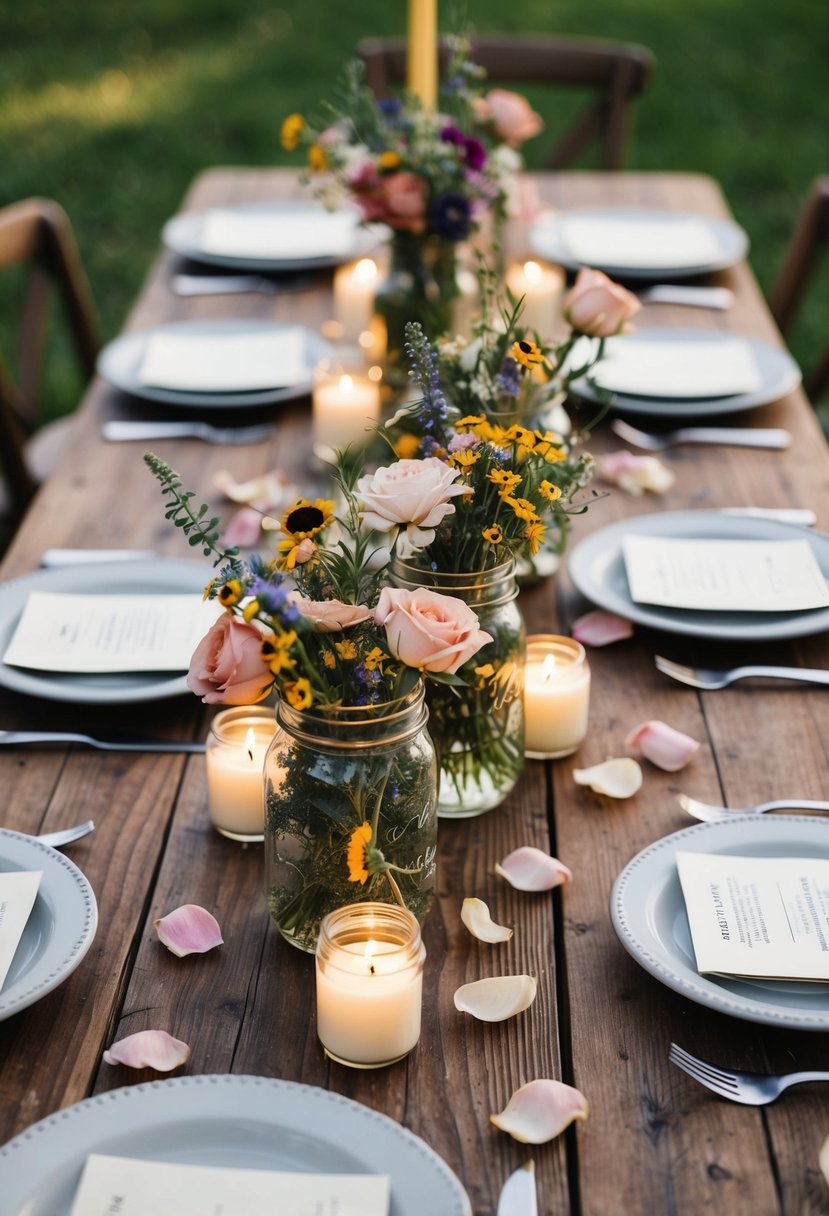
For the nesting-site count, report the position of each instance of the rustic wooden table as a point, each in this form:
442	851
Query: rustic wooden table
655	1142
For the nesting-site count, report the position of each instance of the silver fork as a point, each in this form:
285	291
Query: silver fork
698	297
709	680
749	1088
222	284
66	835
117	430
708	813
733	436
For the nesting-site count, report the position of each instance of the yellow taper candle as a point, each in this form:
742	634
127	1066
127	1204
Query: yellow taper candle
422	51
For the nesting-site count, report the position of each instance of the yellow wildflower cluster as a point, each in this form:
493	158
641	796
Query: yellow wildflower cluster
276	651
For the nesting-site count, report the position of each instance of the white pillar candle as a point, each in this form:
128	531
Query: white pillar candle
235	756
355	285
369	984
556	696
345	405
542	287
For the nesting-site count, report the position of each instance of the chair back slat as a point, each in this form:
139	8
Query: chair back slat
809	239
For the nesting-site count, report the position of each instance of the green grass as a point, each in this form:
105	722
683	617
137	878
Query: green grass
113	108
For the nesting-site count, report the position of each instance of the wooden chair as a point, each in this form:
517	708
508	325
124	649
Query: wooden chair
810	237
612	73
36	234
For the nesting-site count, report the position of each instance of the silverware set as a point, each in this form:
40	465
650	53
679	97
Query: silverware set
733	436
14	738
116	431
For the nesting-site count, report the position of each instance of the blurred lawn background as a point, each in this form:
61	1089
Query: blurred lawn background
112	108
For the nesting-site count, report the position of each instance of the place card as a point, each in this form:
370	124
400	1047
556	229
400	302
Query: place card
135	1188
692	370
724	575
640	241
278	235
109	633
225	362
758	916
18	891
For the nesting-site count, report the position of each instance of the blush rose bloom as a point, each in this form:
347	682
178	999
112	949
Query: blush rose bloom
411	492
513	118
227	665
428	630
396	199
597	306
330	616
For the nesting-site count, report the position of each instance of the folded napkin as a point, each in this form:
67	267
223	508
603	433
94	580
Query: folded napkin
639	242
278	235
229	362
676	368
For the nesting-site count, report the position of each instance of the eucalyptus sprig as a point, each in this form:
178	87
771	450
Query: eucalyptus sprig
195	525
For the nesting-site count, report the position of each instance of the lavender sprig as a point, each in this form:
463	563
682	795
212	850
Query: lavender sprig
425	372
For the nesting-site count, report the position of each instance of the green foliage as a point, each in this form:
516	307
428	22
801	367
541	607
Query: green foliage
196	526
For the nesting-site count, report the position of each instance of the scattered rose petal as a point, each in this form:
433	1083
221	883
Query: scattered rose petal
518	1194
600	628
148	1049
496	999
635	474
189	929
244	529
475	915
530	869
540	1111
662	745
617	778
270	490
823	1159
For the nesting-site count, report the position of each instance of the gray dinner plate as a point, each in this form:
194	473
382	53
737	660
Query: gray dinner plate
779	375
547	239
232	1121
120	361
182	234
597	568
648	914
59	930
172	575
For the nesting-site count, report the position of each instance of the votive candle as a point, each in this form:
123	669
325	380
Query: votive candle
345	406
556	696
369	965
355	285
542	287
422	51
235	756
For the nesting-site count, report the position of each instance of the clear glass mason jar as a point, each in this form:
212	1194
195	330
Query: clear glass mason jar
478	731
350	802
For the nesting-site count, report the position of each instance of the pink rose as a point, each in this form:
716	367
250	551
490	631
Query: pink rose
330	616
397	199
513	118
597	306
428	630
227	664
411	492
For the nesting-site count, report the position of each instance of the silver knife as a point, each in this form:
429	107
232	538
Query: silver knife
14	737
784	515
518	1196
82	557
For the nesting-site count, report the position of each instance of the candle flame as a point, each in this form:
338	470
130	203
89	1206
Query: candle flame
250	741
548	667
365	271
346	385
532	272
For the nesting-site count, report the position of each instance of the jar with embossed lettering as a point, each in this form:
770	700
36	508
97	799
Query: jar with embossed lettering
477	726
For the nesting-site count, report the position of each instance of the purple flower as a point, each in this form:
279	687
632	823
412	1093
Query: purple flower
474	153
451	135
450	216
508	380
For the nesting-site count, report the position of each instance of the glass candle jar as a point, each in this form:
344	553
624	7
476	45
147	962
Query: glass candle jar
235	754
345	405
369	966
556	696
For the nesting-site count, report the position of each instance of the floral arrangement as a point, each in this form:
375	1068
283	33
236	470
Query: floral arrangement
419	172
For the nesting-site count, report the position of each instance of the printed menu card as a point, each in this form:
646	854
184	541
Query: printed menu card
136	1188
225	362
758	916
18	890
109	633
724	575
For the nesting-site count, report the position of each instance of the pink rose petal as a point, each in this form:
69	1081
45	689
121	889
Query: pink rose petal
662	745
540	1110
530	869
600	628
635	474
189	929
148	1049
244	529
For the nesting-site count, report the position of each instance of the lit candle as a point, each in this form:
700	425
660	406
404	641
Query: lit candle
556	696
345	405
235	755
354	288
422	51
542	288
369	984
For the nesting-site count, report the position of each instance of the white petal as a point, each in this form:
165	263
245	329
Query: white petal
665	747
475	915
148	1049
600	628
530	869
270	490
540	1111
518	1195
619	778
189	929
495	1000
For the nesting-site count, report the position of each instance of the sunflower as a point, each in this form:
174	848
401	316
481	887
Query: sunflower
504	479
534	533
358	843
493	534
549	491
523	509
388	161
464	460
317	159
523	436
292	129
276	652
298	693
230	593
469	422
305	518
527	353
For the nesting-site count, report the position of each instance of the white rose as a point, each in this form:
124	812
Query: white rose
414	493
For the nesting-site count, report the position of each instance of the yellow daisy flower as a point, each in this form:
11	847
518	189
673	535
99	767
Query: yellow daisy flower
504	478
298	693
493	534
534	533
358	843
527	353
464	460
522	435
387	161
523	509
406	447
230	593
250	610
375	658
469	422
346	650
292	129
317	159
549	491
329	660
277	653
